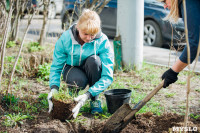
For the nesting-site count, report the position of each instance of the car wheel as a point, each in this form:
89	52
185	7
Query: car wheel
66	21
152	34
52	11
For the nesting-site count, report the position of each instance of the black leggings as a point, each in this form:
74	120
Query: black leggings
77	77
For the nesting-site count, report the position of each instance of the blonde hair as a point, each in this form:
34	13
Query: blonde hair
89	21
173	15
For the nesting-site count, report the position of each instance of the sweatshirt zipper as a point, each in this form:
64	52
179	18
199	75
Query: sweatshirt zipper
80	55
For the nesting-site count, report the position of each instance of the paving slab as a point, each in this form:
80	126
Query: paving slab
165	57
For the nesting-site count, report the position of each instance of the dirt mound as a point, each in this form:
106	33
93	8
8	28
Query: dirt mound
55	126
159	124
144	123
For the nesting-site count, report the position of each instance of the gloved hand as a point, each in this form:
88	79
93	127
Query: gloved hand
81	101
170	77
49	98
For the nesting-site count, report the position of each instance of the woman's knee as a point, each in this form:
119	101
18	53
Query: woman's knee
75	78
93	62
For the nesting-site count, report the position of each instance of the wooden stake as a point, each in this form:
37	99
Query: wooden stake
188	60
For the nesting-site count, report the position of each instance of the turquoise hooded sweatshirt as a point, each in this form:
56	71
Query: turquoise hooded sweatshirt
69	51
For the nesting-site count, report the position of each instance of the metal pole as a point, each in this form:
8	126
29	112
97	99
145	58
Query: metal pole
130	25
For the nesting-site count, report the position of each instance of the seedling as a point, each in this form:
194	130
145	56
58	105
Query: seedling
198	90
43	100
29	108
194	116
62	95
86	108
34	46
14	119
63	105
79	119
44	71
10	44
10	99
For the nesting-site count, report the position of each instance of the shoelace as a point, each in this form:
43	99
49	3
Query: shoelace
95	104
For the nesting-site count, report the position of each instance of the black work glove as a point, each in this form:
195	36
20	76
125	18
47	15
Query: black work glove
170	77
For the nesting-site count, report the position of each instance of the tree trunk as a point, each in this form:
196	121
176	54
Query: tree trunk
5	38
45	20
19	9
21	46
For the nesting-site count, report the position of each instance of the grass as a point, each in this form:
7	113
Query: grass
29	108
151	106
10	44
197	90
181	82
34	47
44	71
194	116
118	83
105	115
140	82
9	62
63	95
168	95
13	119
150	73
10	99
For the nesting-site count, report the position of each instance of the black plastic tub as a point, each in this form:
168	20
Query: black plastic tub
115	98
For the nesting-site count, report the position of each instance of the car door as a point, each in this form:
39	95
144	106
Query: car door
109	18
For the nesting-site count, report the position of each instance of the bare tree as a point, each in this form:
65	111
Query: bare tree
45	21
19	8
5	38
2	16
19	53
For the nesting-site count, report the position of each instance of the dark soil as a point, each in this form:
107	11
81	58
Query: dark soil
62	110
87	123
144	123
147	123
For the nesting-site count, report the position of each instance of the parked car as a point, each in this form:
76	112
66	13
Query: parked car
55	7
157	32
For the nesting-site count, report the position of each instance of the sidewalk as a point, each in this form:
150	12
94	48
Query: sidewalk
152	55
161	56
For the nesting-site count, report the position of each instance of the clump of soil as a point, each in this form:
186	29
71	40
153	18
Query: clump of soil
62	110
159	124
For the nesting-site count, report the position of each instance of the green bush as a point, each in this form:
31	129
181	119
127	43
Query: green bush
194	116
44	71
29	107
10	59
10	44
34	46
7	99
9	62
43	100
14	119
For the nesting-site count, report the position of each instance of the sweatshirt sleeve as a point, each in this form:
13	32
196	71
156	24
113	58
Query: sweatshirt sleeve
59	60
106	55
193	24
